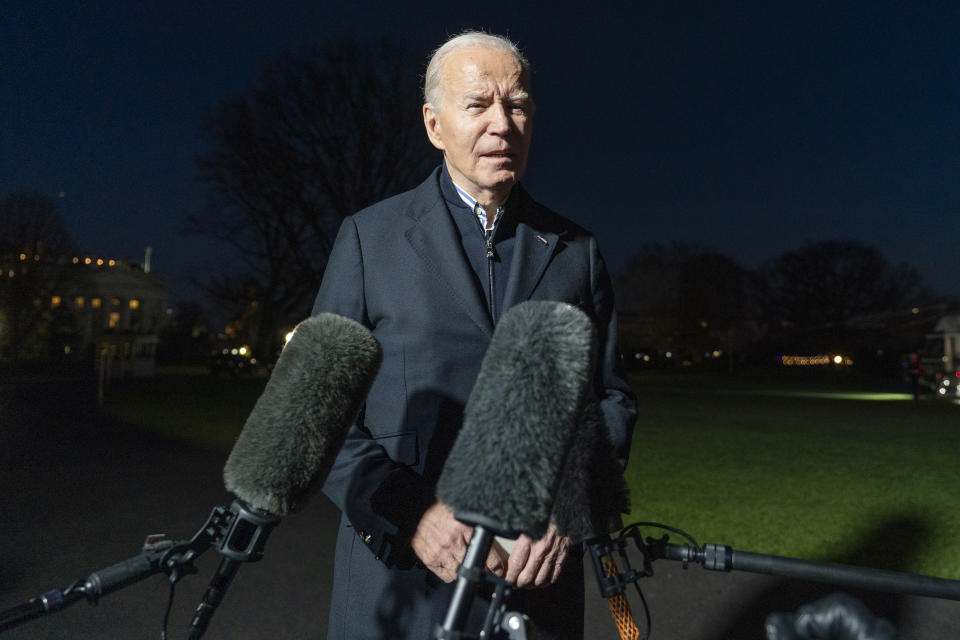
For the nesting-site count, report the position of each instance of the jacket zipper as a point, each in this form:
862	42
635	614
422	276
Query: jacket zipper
491	256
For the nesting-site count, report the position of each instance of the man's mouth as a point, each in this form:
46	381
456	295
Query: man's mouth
497	154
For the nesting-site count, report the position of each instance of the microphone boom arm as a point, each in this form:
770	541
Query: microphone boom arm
716	557
238	531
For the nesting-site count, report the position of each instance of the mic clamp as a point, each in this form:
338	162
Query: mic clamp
613	580
245	531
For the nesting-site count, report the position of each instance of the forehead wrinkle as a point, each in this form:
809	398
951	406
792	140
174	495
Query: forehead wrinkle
466	77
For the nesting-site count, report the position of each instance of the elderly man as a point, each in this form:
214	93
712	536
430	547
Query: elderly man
430	272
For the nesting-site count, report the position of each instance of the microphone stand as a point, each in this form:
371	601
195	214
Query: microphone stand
471	575
716	557
238	531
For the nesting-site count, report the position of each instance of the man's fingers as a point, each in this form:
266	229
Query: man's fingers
440	541
518	559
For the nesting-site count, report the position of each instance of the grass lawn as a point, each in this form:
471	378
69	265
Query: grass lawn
820	468
811	465
188	403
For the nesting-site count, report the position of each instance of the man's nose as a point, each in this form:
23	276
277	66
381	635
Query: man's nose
500	122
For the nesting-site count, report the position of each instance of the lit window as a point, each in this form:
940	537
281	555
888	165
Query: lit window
114	321
79	302
96	302
55	301
134	304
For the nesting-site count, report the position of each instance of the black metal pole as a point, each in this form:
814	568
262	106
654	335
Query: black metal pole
716	557
469	575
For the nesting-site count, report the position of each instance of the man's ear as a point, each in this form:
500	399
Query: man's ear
432	124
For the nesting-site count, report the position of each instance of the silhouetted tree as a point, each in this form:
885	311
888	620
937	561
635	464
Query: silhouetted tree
686	293
35	249
820	296
830	283
321	134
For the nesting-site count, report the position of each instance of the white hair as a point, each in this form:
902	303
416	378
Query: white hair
432	90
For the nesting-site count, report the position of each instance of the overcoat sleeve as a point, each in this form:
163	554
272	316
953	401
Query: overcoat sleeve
610	380
382	499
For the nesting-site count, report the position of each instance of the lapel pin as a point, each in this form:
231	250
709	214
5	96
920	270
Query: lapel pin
542	239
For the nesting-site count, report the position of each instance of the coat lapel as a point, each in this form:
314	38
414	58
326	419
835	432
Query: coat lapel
435	240
535	246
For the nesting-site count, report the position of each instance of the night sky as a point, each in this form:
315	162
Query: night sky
751	127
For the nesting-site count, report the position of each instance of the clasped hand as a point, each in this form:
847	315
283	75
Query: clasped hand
440	541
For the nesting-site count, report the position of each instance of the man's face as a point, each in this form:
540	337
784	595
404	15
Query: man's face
484	122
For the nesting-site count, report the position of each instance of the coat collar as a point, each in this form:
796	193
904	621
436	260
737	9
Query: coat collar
434	238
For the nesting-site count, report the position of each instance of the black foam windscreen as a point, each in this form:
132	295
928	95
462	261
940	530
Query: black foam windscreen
505	466
593	492
298	425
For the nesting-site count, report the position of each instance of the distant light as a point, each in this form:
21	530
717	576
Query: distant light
87	261
55	301
76	260
717	353
703	323
112	263
234	351
915	311
10	273
243	351
803	361
637	356
99	262
669	354
66	349
646	358
36	257
23	256
942	391
134	304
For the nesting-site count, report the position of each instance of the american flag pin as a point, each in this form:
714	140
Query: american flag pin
542	239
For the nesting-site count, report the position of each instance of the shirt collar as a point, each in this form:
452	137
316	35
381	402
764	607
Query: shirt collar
480	212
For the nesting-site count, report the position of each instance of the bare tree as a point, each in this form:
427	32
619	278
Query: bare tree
35	248
685	285
684	295
830	283
321	134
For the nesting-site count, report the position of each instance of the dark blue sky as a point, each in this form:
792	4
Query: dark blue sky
752	127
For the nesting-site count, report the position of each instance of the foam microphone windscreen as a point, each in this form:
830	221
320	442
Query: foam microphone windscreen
299	423
593	492
505	466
